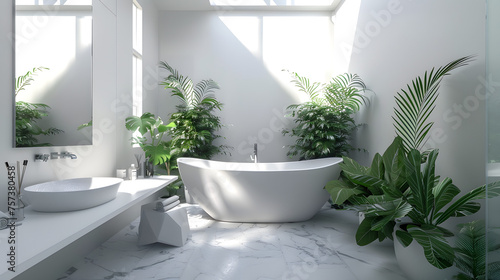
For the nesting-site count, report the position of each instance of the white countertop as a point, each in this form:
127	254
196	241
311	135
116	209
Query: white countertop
42	234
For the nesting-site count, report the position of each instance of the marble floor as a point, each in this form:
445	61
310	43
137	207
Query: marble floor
321	248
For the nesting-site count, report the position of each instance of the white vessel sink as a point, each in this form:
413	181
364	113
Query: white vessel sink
71	194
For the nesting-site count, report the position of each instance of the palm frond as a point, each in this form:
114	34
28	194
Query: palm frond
313	89
26	79
417	102
190	95
204	93
344	92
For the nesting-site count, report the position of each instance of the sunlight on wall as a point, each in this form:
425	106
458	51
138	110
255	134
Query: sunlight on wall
345	22
300	43
248	30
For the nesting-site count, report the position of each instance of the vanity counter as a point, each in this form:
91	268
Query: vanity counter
42	234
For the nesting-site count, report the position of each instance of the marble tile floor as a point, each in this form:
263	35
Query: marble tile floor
321	248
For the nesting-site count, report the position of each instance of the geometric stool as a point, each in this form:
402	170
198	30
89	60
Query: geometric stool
170	227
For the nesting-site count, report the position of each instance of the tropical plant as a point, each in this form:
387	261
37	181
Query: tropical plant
196	125
410	190
157	150
324	124
417	102
377	191
191	95
471	246
28	114
195	132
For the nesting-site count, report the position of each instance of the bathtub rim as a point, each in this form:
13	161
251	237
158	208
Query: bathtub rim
292	166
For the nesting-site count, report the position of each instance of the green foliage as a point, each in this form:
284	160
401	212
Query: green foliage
191	95
321	131
196	125
471	246
377	191
416	103
399	185
25	80
28	114
324	124
155	148
195	131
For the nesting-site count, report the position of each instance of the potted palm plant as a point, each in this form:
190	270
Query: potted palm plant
196	124
324	124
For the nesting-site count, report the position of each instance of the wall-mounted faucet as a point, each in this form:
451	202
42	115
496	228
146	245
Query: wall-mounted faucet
54	155
63	155
41	157
254	155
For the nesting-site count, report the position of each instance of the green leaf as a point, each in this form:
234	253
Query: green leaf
143	123
436	249
394	163
340	191
404	237
364	234
444	192
157	154
421	183
416	103
477	193
398	209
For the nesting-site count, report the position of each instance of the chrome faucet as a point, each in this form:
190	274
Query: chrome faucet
68	155
56	155
254	155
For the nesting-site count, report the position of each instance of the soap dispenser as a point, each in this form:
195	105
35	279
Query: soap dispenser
132	172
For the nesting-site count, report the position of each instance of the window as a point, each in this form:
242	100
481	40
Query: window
136	59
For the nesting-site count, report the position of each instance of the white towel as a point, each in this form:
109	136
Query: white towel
171	205
161	205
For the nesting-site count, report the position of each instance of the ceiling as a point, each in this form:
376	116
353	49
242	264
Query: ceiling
261	5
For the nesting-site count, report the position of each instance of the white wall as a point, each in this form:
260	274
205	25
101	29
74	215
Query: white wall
395	41
244	52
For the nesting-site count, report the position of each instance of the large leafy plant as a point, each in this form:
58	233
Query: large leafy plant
418	196
378	191
151	132
416	103
324	124
196	124
28	114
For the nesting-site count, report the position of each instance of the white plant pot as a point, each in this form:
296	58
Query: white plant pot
413	263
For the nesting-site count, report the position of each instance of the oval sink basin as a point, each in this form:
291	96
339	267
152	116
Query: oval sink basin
72	194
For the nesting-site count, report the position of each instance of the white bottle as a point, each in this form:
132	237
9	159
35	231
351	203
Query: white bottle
132	172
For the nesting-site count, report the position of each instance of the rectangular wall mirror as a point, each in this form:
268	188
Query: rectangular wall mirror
53	73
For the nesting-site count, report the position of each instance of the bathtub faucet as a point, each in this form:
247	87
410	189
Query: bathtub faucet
254	155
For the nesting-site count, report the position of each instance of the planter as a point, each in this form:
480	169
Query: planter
415	266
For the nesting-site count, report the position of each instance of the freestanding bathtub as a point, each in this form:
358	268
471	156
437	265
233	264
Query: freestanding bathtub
259	192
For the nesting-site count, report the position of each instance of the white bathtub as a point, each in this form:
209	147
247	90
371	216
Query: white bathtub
259	192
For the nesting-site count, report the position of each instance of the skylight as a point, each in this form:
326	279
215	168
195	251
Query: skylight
263	3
